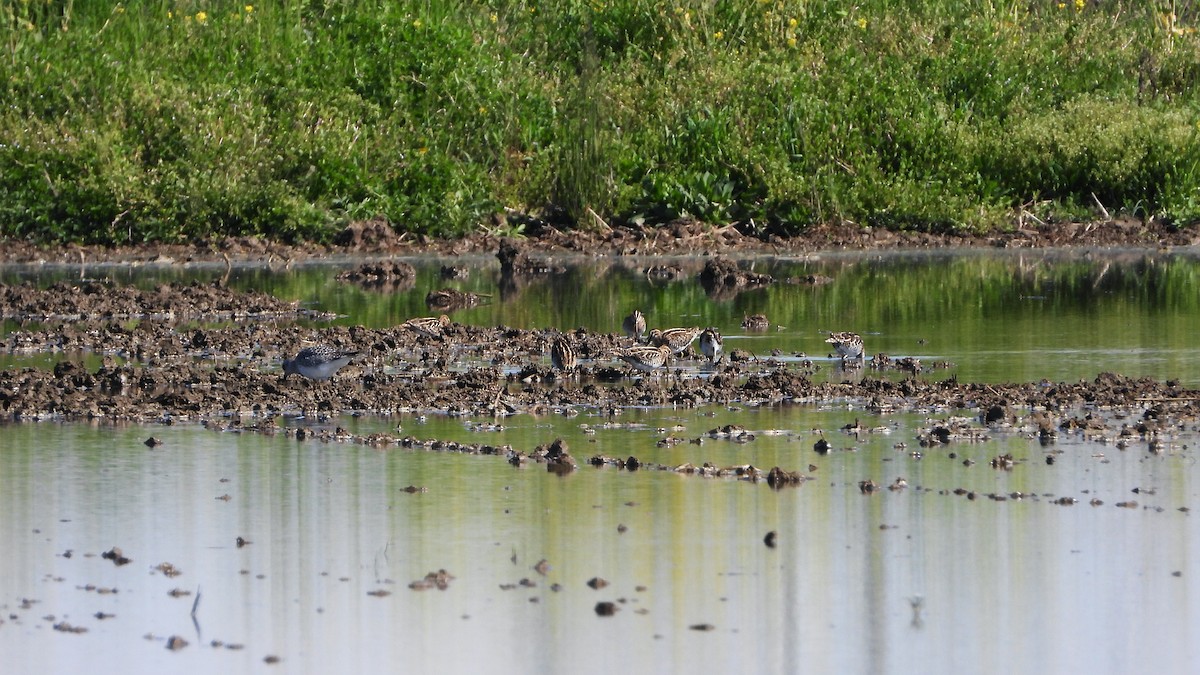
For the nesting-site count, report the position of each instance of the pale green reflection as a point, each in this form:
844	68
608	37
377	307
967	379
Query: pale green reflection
335	541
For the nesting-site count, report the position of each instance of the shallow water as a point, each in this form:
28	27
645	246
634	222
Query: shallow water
1002	586
992	316
917	580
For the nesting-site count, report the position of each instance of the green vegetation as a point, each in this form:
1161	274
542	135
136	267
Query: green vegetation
178	120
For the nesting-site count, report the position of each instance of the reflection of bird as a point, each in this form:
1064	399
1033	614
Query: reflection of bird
645	358
710	344
317	363
562	354
756	322
429	326
678	339
847	345
634	325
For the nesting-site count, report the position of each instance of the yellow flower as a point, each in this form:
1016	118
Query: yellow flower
249	9
862	23
1078	5
201	17
719	34
1062	5
170	14
422	151
791	42
417	23
482	110
494	17
792	22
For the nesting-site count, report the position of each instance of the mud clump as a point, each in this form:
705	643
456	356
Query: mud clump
515	260
722	278
387	275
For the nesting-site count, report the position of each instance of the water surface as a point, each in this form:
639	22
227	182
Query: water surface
916	580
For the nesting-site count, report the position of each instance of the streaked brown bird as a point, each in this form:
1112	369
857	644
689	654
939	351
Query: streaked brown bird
428	326
678	339
562	354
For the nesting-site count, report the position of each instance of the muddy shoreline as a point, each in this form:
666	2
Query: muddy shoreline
169	367
166	369
377	239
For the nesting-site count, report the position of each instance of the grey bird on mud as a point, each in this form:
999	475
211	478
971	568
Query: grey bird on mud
317	363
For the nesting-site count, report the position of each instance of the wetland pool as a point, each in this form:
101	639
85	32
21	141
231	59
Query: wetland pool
1084	564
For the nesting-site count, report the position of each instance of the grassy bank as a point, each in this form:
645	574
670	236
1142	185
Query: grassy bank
180	120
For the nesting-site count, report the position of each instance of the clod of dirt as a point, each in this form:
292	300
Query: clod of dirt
778	478
516	261
723	279
114	554
168	570
389	275
606	608
440	580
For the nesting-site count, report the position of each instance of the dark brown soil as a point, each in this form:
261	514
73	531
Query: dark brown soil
97	301
376	238
162	371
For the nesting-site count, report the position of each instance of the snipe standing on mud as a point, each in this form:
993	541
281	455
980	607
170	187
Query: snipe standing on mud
634	325
711	344
645	359
847	345
317	363
678	339
562	354
428	326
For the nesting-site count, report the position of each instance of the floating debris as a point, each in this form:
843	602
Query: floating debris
439	580
606	608
114	554
168	569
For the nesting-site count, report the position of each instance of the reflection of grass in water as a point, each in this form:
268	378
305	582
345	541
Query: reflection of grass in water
169	122
996	317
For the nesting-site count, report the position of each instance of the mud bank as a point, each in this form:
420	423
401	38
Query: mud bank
376	238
